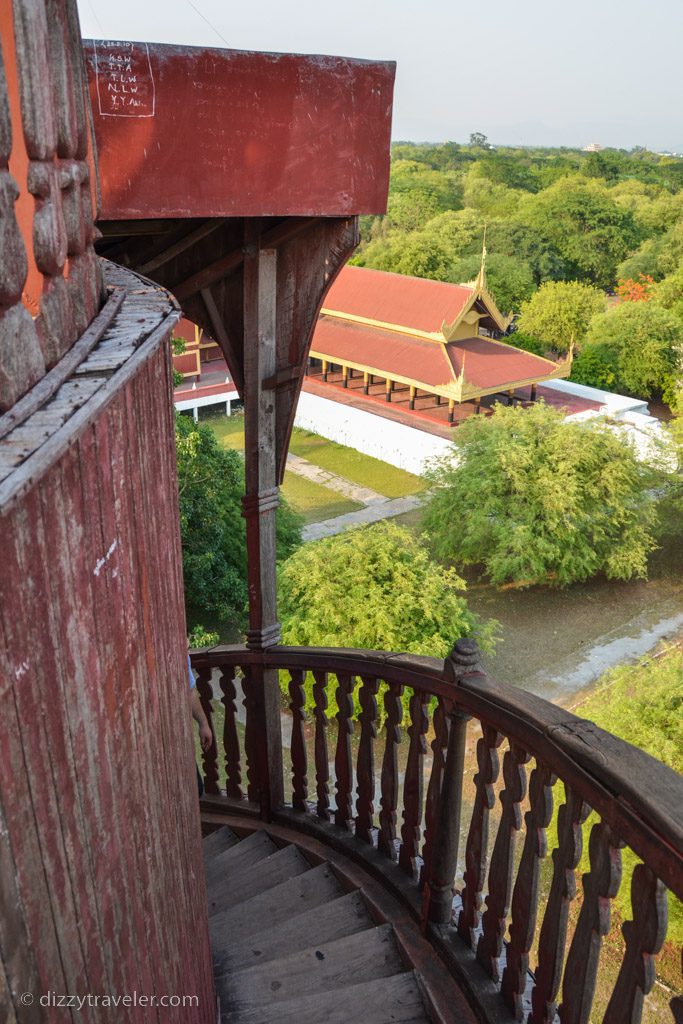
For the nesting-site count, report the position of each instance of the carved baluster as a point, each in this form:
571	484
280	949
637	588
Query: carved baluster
322	762
413	784
439	746
644	936
476	853
231	743
525	894
343	764
298	748
250	735
600	885
553	936
494	918
393	705
210	756
365	769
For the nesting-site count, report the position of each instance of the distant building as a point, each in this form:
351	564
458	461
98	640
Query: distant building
593	147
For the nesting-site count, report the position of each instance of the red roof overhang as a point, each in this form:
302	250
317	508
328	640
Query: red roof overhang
191	132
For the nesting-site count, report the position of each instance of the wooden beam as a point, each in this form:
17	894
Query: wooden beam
259	508
228	263
221	334
180	246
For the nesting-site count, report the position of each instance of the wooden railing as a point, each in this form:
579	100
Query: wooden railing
502	916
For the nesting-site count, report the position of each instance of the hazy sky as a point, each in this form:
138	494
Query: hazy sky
521	71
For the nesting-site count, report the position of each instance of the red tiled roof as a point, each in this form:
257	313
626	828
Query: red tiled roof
489	363
411	302
398	354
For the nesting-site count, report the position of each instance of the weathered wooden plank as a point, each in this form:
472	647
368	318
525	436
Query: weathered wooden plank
345	915
240	885
278	905
383	1001
324	967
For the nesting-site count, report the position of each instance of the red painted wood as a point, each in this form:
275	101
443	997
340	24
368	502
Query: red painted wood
229	133
97	782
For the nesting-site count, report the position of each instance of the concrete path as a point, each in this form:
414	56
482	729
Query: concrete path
295	464
372	513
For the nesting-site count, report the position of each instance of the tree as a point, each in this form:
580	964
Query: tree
669	292
509	280
641	290
643	341
374	587
591	232
534	499
559	312
479	139
212	530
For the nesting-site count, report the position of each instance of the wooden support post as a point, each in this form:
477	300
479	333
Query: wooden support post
366	383
477	405
325	370
451	409
387	394
464	658
533	392
413	391
438	399
345	376
260	505
511	396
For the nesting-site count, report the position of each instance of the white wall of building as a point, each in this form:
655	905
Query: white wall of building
405	447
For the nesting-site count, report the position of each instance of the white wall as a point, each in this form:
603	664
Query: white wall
405	447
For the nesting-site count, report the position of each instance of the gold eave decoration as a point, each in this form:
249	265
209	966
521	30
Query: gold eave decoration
381	325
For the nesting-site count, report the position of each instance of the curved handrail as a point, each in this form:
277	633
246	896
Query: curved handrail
639	797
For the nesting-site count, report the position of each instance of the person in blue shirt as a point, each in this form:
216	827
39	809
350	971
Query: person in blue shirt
205	734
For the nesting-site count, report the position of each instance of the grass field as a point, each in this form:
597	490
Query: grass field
352	465
315	502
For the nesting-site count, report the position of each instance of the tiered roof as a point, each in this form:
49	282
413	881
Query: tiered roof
415	332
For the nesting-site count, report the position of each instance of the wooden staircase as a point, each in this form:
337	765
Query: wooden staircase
294	944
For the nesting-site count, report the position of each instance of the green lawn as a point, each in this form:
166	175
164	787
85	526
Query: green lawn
352	465
228	429
315	502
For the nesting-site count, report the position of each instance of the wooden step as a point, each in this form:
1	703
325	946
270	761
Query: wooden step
254	848
281	903
346	915
218	842
381	1001
237	886
325	967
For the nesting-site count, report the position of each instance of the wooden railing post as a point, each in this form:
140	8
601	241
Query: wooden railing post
260	505
464	658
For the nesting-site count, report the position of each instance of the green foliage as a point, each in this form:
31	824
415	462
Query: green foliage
509	280
524	341
669	292
643	704
210	490
590	231
640	341
201	637
374	587
533	498
559	312
596	366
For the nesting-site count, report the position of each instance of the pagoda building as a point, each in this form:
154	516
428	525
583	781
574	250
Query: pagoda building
409	338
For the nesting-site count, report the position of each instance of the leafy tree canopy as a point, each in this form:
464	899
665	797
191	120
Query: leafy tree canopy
509	280
376	588
591	232
560	311
643	341
210	489
533	498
